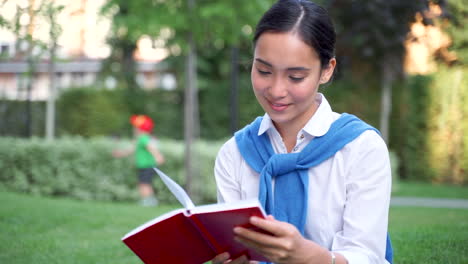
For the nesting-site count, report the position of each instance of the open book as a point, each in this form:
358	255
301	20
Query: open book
193	234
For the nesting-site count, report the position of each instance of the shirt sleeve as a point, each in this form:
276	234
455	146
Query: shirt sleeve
368	187
226	165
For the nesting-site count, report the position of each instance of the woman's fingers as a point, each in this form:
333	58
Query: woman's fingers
224	258
274	227
221	258
240	260
279	243
253	238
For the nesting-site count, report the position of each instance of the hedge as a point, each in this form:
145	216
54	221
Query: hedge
431	135
85	169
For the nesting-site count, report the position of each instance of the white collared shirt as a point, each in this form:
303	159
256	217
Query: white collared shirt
349	194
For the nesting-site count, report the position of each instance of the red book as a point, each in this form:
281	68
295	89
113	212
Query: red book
194	234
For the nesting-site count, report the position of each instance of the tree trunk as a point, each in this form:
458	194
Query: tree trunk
30	31
29	86
386	100
50	111
190	115
233	99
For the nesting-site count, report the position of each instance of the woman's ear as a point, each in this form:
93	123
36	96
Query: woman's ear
327	72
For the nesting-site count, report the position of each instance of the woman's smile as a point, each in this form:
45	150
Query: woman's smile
278	107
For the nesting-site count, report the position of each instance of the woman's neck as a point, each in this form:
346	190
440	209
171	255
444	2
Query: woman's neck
289	135
290	130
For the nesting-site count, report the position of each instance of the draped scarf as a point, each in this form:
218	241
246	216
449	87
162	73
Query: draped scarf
289	200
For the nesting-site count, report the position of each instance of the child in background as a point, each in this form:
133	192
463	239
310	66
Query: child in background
147	156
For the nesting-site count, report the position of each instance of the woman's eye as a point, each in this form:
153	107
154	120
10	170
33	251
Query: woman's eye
263	72
296	79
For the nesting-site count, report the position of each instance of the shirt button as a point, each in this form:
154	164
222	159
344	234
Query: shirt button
302	136
295	149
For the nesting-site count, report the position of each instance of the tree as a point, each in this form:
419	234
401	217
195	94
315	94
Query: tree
120	65
51	12
27	48
372	32
454	20
194	30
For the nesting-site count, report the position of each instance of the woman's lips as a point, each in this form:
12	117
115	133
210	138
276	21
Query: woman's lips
278	107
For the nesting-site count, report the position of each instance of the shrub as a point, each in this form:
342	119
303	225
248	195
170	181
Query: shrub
84	169
90	112
431	135
14	118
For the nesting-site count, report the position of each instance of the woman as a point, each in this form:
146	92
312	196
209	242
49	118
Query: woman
323	178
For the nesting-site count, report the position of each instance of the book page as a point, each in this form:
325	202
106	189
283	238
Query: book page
250	203
175	188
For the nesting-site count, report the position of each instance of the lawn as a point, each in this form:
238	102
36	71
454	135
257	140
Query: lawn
420	189
45	230
429	235
48	230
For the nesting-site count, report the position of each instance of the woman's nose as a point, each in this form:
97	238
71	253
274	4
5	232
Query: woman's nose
278	88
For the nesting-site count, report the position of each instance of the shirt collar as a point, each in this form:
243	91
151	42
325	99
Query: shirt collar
321	121
265	124
317	126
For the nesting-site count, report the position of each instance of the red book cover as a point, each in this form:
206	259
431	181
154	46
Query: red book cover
195	234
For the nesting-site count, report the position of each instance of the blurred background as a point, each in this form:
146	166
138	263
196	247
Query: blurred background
72	73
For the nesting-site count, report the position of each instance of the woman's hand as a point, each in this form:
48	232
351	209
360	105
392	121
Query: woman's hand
284	244
224	258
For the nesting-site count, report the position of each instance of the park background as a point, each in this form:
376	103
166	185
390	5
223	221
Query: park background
72	73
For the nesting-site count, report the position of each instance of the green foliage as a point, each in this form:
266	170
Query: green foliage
458	19
107	112
350	96
148	17
432	128
412	144
447	123
171	22
84	168
214	74
69	167
13	118
373	30
90	112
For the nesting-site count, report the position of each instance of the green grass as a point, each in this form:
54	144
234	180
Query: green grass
429	235
45	230
420	189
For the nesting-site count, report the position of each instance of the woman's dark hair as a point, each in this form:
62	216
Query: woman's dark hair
309	20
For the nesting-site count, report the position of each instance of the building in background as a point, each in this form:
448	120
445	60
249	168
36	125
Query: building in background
81	50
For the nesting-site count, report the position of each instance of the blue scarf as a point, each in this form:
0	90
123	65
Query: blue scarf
291	169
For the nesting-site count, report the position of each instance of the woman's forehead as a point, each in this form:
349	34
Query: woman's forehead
284	50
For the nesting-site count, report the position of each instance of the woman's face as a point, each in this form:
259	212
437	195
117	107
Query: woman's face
286	74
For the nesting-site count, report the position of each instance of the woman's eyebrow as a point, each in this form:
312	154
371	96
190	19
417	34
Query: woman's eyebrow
298	69
264	62
288	69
